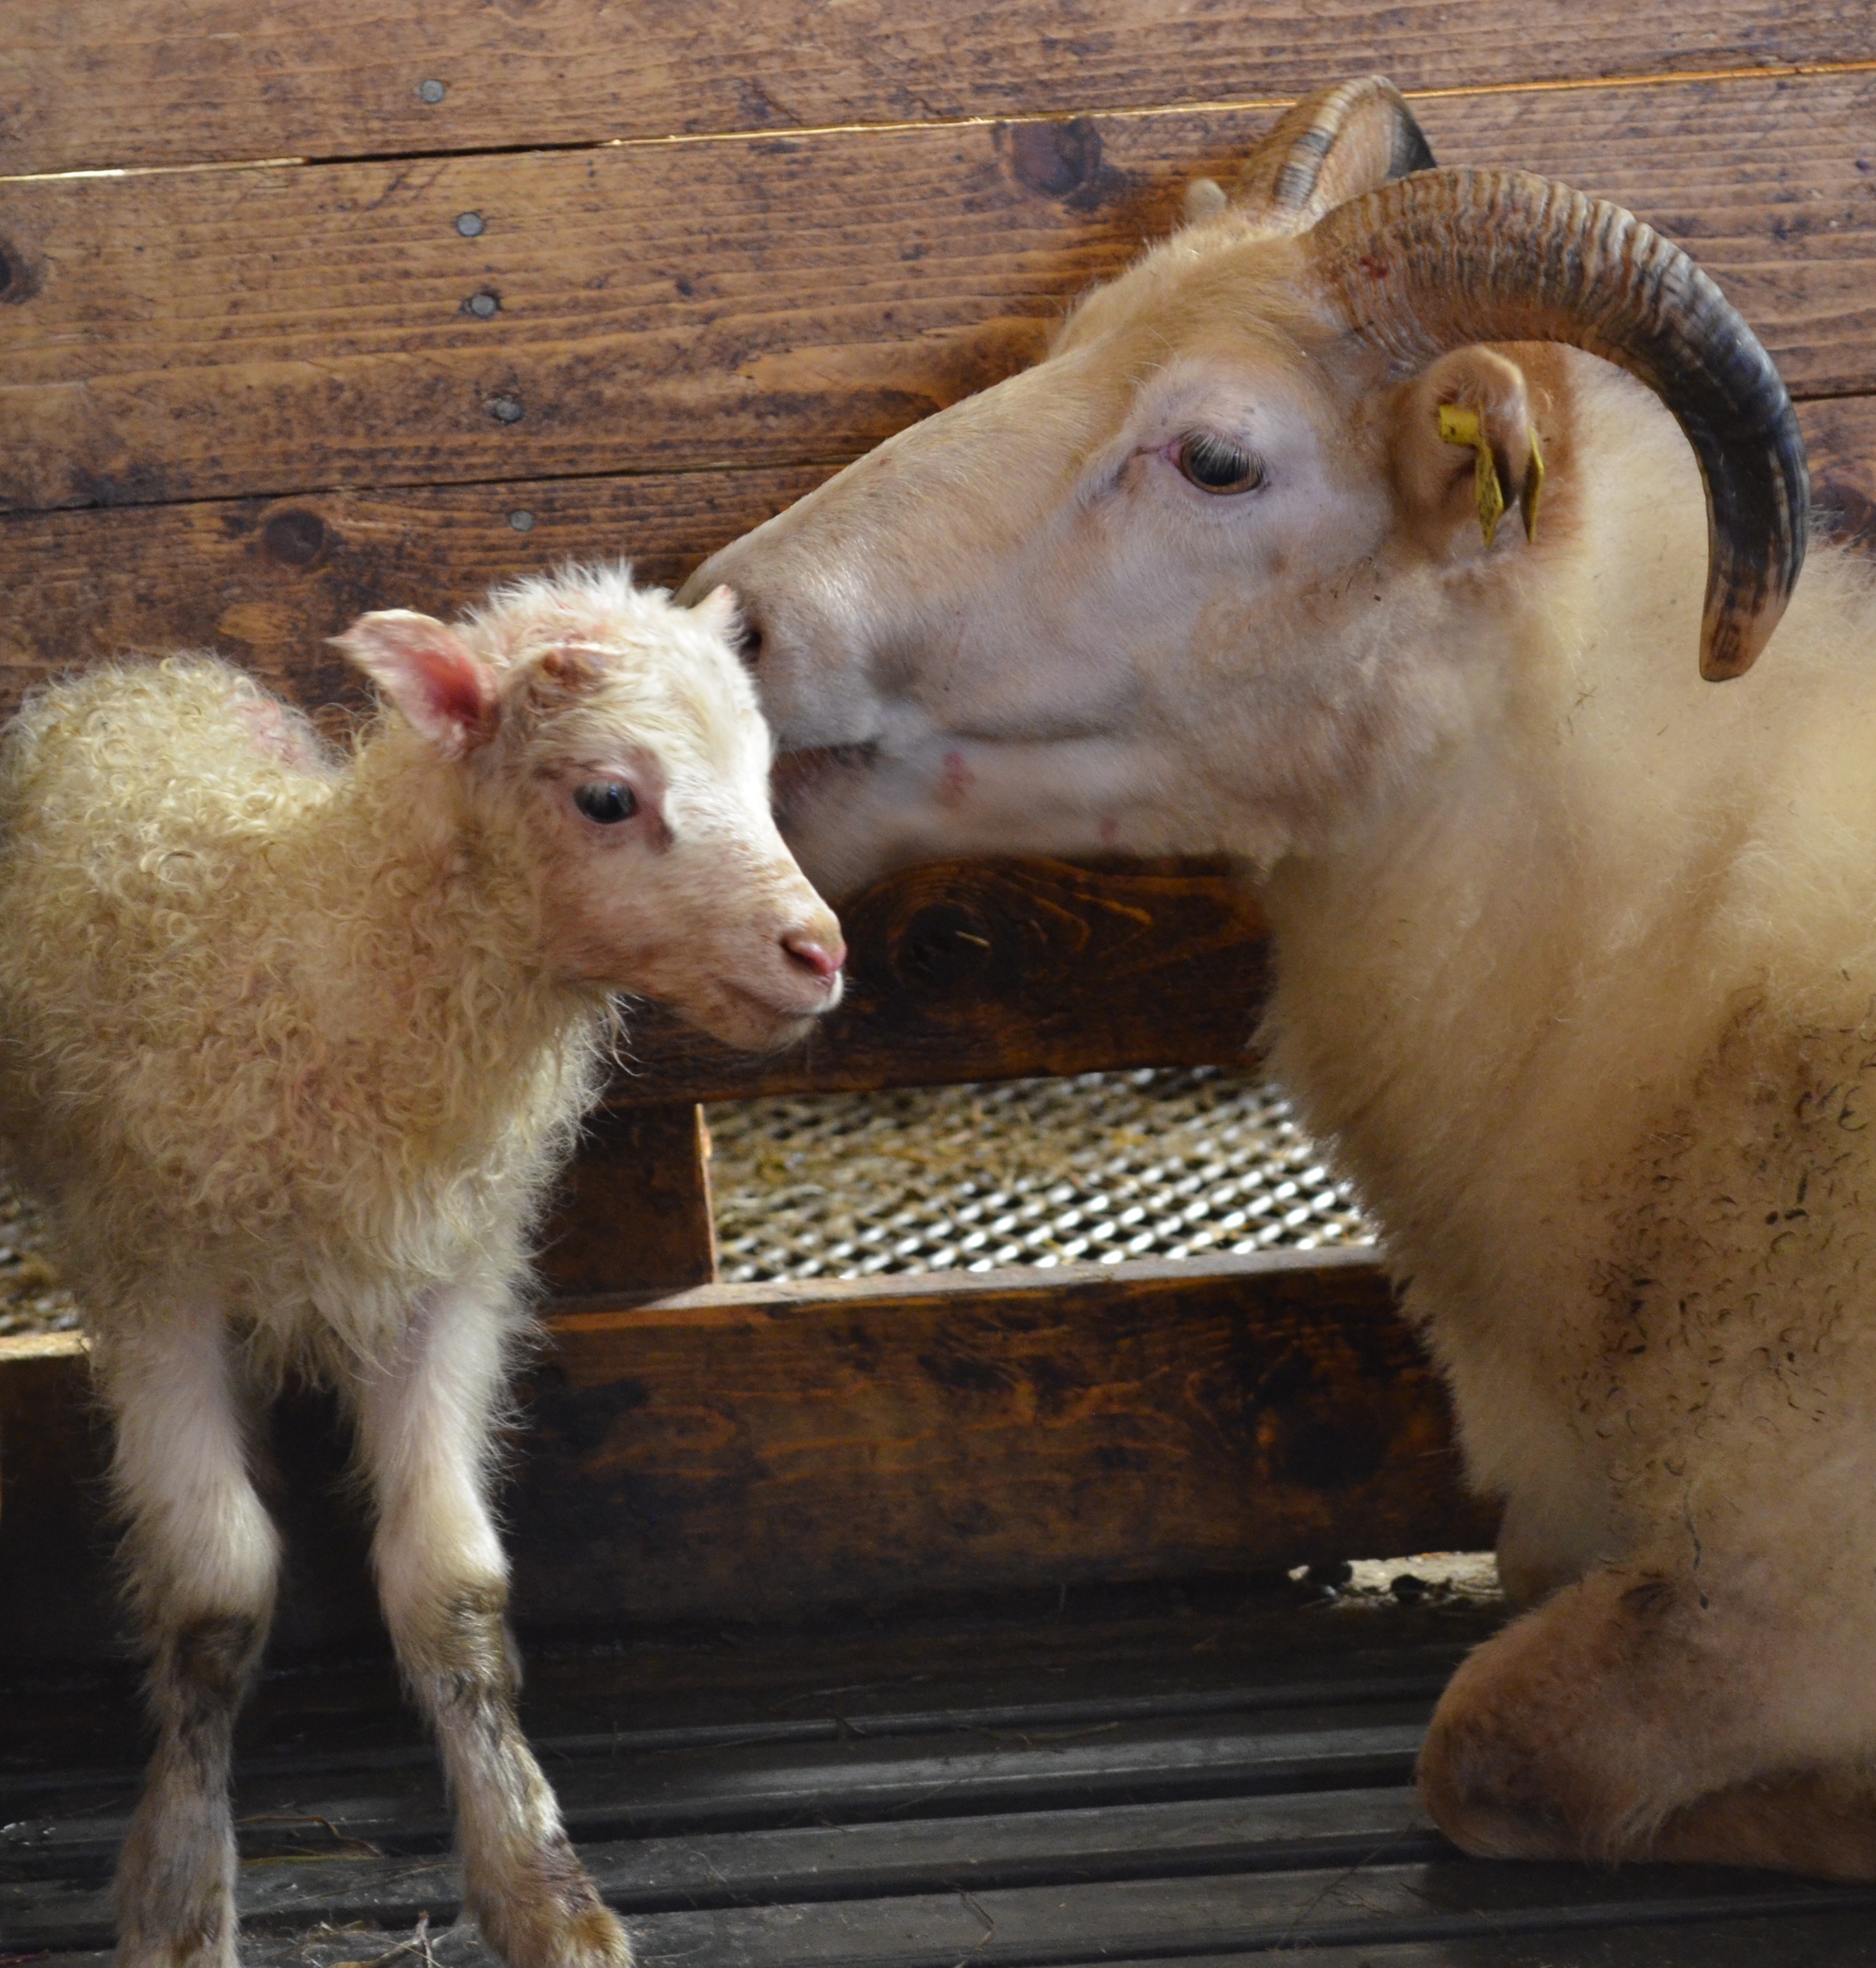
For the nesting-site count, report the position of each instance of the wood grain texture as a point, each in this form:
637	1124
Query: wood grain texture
750	1451
994	969
267	581
777	1446
776	301
633	1211
143	82
55	1568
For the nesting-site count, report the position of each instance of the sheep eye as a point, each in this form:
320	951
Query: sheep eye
607	801
1215	465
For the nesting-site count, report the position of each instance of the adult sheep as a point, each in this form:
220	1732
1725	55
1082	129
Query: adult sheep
295	1043
1576	954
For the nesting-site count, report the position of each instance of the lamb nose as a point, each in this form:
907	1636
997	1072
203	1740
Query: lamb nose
813	955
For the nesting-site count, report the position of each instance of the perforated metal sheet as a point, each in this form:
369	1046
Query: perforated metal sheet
1103	1167
31	1298
1100	1168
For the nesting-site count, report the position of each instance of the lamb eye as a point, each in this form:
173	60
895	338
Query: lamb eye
1214	464
607	801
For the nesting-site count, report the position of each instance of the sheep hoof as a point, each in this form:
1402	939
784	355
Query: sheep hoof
1819	1823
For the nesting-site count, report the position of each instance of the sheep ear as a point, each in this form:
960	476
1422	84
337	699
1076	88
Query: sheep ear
1465	448
427	671
720	612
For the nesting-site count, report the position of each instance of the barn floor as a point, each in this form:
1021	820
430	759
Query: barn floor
1202	1775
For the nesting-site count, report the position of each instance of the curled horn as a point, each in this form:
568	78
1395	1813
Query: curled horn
1330	147
1452	257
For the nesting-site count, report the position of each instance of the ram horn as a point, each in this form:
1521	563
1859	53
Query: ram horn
1329	148
1451	257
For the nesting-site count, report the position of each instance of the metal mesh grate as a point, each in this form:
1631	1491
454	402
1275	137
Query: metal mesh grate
31	1298
1166	1163
1103	1167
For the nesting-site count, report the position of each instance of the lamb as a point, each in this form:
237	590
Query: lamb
294	1042
1575	953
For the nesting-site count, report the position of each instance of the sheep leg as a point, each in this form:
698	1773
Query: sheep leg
424	1426
203	1555
1637	1715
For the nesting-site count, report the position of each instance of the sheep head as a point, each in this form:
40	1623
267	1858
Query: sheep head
599	752
1196	581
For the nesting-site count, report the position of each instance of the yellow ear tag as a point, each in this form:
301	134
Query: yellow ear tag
1534	487
1460	425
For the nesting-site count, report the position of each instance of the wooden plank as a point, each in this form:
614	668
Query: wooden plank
232	333
633	1211
890	1850
1767	1928
145	82
749	1452
767	1449
997	969
819	1862
1053	1927
1414	1682
1841	438
54	1544
1790	1940
267	580
1104	1767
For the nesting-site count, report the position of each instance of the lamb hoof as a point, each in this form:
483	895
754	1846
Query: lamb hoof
142	1953
593	1938
584	1935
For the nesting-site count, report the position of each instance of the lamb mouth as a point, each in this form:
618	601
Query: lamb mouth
794	1018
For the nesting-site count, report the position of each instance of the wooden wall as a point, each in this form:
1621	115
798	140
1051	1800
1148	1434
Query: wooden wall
305	313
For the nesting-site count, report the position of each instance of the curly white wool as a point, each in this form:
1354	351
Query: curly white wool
294	1042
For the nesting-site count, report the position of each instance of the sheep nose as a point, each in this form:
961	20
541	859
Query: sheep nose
814	956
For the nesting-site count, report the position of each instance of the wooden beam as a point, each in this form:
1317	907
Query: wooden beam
267	580
144	82
56	1587
773	301
997	969
633	1211
739	1452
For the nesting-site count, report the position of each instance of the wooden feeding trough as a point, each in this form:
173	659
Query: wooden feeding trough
308	316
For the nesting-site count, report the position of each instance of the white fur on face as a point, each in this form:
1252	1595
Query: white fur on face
692	899
1026	631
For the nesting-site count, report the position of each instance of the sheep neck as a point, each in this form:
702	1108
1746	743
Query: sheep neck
424	903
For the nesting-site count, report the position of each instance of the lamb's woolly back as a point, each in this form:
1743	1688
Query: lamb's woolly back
314	1028
294	1041
285	1020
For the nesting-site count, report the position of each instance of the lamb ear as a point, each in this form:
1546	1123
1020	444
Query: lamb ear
721	612
427	671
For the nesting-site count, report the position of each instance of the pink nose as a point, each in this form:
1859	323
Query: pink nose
812	954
